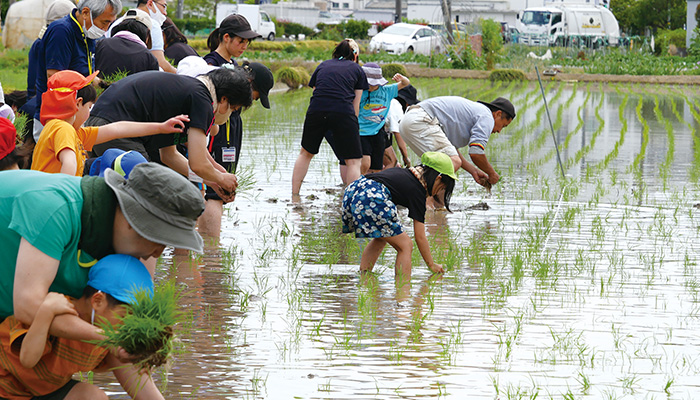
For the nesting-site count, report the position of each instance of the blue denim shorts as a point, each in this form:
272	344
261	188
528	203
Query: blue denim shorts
368	210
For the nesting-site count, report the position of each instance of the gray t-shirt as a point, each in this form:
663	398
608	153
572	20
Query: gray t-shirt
464	122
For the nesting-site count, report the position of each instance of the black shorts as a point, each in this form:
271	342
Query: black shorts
345	130
59	394
373	146
388	138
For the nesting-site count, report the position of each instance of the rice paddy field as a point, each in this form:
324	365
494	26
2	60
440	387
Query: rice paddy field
584	287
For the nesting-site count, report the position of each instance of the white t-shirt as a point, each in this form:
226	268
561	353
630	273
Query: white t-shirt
393	118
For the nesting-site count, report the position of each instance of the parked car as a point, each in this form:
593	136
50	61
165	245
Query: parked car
401	38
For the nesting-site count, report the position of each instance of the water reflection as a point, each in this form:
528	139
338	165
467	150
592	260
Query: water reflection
589	294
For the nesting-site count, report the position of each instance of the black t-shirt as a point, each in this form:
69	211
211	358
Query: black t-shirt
154	96
120	54
334	83
216	60
178	50
406	190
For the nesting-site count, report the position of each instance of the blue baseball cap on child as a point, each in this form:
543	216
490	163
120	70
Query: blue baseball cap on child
120	276
118	160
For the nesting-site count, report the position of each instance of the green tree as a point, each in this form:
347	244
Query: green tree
491	41
635	15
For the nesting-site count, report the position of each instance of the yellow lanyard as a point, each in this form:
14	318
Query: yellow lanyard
87	48
228	130
87	264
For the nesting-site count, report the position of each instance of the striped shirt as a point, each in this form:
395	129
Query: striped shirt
60	360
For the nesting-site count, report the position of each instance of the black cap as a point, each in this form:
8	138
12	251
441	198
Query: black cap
501	104
238	25
409	95
263	80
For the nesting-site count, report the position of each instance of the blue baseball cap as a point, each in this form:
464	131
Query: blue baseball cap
118	160
120	276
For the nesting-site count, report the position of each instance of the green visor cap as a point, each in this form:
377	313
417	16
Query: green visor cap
440	162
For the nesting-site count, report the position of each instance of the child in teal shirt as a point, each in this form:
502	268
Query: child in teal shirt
374	106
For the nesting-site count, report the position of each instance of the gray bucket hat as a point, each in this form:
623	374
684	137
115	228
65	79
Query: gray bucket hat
160	204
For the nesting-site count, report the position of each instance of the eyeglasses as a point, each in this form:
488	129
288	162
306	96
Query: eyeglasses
164	5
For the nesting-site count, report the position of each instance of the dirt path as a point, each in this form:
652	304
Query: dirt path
414	70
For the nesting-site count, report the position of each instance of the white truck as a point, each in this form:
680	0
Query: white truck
565	24
259	21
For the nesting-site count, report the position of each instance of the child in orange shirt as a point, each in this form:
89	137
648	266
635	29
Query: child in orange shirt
66	105
39	365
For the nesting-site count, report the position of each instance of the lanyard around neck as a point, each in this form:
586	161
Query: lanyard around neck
87	48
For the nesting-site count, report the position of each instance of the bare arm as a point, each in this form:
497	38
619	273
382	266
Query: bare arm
34	273
34	340
356	102
483	163
137	383
402	80
424	247
129	129
200	164
162	62
479	176
402	148
69	165
173	159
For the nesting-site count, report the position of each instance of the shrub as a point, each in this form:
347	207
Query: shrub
193	25
279	27
464	57
666	38
356	29
506	75
492	41
290	48
329	32
304	75
293	76
292	28
694	49
389	70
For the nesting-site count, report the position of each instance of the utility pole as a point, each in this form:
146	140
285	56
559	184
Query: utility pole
180	9
447	17
397	11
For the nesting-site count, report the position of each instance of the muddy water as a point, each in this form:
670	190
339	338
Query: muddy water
579	288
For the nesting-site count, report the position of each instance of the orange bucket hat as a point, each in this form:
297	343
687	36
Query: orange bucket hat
60	99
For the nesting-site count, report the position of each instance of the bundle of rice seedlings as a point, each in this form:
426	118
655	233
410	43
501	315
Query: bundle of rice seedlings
507	75
389	70
146	330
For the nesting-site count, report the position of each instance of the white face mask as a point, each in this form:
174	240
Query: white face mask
94	32
156	15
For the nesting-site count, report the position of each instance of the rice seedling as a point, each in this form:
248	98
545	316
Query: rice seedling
146	330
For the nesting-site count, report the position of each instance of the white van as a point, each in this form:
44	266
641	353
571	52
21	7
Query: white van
259	21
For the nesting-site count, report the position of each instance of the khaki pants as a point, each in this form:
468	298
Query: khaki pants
423	133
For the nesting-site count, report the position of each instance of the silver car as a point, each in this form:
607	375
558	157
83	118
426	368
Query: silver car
402	38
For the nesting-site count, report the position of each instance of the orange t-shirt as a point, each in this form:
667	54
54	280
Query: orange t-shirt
60	360
58	135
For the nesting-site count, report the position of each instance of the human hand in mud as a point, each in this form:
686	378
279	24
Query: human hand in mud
436	268
480	177
228	183
175	124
